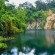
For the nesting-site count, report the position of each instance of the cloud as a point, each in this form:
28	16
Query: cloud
17	2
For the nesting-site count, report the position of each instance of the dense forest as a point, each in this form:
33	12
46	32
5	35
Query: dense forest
14	19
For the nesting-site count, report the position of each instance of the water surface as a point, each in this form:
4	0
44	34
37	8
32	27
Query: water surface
32	42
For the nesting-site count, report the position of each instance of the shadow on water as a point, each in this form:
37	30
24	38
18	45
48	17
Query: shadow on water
43	41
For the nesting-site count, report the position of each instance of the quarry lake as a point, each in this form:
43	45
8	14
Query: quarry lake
31	42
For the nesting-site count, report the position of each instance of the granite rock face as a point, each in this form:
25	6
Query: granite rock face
50	21
33	25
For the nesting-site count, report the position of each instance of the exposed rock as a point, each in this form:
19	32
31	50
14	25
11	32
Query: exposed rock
54	25
50	24
34	25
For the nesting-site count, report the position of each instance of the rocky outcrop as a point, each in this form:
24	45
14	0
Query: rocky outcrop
50	21
33	25
54	25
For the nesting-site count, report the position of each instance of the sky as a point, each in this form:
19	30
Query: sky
17	2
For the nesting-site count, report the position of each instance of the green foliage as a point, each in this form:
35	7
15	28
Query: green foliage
21	17
3	45
40	15
42	24
12	20
1	38
7	21
29	15
41	6
53	9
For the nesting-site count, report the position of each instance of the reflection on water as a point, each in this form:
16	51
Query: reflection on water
50	36
29	53
32	42
45	53
14	51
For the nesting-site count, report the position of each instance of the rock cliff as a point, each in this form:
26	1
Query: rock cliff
33	25
50	21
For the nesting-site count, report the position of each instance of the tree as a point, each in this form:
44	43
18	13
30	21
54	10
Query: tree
40	17
8	24
49	1
26	5
21	17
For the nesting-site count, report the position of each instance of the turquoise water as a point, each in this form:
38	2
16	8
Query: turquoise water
31	42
